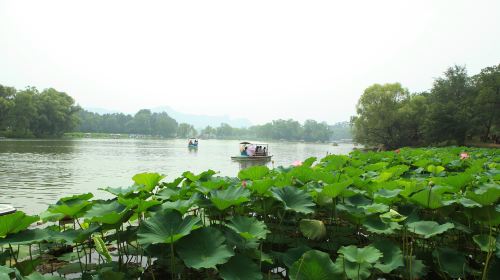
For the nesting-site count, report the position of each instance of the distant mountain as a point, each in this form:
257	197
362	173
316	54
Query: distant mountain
201	121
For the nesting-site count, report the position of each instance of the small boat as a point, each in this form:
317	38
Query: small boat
193	143
6	209
253	152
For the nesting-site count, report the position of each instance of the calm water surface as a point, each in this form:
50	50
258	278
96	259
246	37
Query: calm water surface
35	173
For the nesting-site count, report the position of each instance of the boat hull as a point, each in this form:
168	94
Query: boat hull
252	158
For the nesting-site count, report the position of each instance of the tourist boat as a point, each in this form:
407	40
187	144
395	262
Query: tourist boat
253	152
193	143
6	209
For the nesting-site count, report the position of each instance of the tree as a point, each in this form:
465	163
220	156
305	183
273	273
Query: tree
486	105
449	115
6	103
186	130
378	119
23	114
56	113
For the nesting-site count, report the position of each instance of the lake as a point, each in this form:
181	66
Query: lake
36	173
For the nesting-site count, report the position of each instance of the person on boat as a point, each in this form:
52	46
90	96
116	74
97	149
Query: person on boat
190	142
244	151
196	142
264	151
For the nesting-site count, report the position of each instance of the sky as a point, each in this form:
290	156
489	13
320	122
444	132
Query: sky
259	60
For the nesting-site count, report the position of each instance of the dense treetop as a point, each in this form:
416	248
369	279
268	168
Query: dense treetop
457	109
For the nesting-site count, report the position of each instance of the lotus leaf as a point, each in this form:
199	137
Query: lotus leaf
15	222
148	180
334	189
106	212
248	227
204	248
392	257
376	225
180	205
485	242
368	254
450	261
294	199
486	194
312	229
166	227
240	267
223	199
38	276
313	265
428	228
253	173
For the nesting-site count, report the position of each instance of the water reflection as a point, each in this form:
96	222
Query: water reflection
35	173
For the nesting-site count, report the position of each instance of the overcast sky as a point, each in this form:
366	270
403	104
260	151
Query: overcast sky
260	60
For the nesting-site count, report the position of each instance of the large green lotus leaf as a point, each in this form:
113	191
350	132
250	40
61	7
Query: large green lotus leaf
351	269
302	173
486	194
436	170
5	272
240	267
292	255
430	197
294	199
37	276
312	229
334	162
207	186
47	216
166	227
76	197
180	205
376	225
261	186
392	257
450	261
456	181
29	236
121	192
485	242
138	204
238	242
203	176
368	254
309	161
313	265
168	193
386	196
15	222
375	208
148	180
428	228
248	227
376	166
106	212
393	172
334	189
468	203
72	206
223	199
204	248
486	214
253	173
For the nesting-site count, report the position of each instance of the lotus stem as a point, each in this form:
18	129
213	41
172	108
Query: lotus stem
172	263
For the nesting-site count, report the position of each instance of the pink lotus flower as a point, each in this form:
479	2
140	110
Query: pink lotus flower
244	184
464	155
297	163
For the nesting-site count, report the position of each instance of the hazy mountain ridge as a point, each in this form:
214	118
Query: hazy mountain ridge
202	121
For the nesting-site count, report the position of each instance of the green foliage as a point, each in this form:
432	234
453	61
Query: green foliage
28	113
313	265
457	109
414	214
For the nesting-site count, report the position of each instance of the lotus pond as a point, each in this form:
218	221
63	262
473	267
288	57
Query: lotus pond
405	214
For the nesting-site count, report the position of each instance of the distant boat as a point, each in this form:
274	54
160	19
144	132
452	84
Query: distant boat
6	209
253	152
193	143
